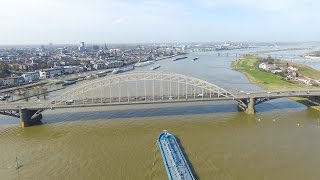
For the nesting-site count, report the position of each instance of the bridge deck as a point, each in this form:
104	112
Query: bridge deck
153	100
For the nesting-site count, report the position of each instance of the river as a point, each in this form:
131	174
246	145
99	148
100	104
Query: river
279	142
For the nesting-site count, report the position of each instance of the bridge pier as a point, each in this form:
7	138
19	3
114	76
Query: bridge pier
247	105
250	107
30	117
314	100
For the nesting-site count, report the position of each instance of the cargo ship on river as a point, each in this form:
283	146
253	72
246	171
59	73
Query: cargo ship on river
155	67
67	83
174	160
121	70
145	63
180	58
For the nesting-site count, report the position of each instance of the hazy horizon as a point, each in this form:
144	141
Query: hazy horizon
160	43
36	22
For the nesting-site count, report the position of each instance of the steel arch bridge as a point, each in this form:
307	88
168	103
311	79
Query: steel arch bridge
142	87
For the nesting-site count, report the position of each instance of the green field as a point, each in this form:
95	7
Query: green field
271	81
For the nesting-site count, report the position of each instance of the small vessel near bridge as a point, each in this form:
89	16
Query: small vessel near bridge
173	158
101	74
180	58
67	83
145	63
121	70
155	67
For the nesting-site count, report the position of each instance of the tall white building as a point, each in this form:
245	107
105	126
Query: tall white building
82	47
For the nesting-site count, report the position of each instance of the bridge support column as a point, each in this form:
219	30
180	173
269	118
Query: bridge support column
250	107
314	100
30	117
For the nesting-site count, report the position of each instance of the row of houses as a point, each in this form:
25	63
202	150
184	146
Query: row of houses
35	76
107	65
290	72
58	71
11	81
306	80
279	68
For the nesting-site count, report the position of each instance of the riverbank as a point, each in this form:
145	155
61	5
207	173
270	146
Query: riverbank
312	57
269	81
279	50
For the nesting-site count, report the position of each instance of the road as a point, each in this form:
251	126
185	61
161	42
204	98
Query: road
87	102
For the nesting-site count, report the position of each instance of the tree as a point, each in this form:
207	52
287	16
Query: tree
26	94
73	63
43	65
4	70
258	62
270	60
36	92
282	74
44	91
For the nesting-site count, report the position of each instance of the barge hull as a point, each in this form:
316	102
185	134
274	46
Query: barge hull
176	165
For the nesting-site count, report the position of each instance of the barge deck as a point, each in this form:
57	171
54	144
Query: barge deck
174	160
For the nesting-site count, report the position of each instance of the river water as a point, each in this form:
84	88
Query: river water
279	142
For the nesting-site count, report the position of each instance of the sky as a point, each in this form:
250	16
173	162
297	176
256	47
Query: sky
157	21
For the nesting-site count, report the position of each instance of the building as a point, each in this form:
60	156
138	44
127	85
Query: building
7	82
99	65
114	64
292	72
82	47
51	72
71	69
272	67
31	76
305	80
17	80
292	69
12	81
263	66
276	71
267	67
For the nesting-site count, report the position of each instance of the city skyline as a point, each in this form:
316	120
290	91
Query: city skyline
155	21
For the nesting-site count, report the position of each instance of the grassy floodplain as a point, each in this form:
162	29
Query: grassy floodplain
270	81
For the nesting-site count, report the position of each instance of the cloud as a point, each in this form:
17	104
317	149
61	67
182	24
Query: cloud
60	21
120	20
289	8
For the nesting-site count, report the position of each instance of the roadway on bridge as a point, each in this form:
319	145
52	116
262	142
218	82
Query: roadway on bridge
116	101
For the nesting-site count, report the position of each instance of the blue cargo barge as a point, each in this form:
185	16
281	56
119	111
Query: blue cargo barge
174	160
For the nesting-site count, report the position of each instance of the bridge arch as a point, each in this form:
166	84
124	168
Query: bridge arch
142	86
